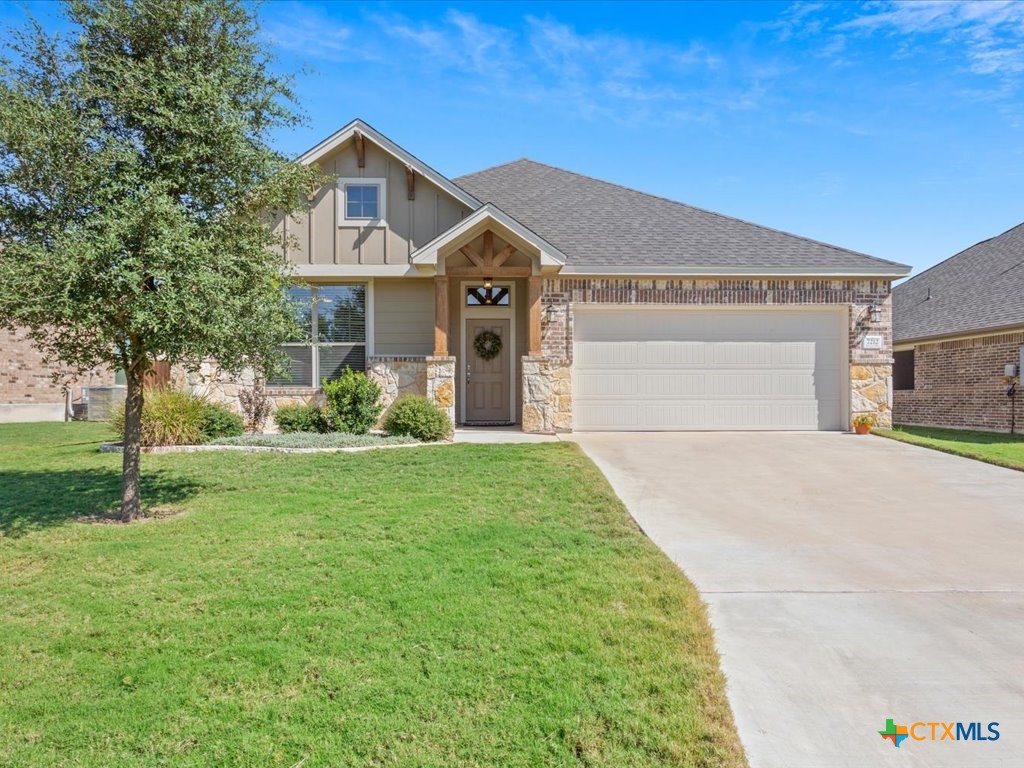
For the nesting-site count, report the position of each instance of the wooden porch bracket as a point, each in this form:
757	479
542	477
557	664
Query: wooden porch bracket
360	150
472	255
535	285
440	316
410	182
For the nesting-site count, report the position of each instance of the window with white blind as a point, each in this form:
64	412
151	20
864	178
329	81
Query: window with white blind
332	319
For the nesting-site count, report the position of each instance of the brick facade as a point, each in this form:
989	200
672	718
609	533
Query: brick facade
870	369
960	383
26	379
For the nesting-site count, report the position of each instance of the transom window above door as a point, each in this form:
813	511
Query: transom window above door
361	201
487	296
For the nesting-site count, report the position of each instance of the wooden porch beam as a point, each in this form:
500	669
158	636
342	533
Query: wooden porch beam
472	255
410	182
535	284
503	255
488	248
440	316
360	150
495	272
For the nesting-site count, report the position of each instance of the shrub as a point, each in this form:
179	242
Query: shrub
418	417
353	402
256	407
301	418
169	417
218	421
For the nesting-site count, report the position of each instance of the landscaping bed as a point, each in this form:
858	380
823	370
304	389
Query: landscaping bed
466	606
997	448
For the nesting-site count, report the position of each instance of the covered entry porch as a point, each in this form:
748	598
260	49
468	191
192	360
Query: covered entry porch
488	275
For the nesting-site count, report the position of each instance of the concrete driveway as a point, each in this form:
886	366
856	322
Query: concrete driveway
849	580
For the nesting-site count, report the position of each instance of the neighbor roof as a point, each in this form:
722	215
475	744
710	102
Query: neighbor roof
981	288
609	229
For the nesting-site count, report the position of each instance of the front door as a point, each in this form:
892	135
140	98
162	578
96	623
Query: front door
488	398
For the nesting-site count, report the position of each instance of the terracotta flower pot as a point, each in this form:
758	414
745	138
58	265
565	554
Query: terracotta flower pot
861	429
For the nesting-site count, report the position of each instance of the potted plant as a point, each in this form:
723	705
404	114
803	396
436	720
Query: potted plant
863	423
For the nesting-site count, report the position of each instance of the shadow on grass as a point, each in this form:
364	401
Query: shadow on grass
31	500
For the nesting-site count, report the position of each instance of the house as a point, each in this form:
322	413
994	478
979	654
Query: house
31	387
959	339
526	294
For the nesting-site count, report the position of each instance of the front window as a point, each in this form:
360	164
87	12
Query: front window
361	201
487	296
332	336
903	370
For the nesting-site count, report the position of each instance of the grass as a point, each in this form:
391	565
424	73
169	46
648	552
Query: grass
454	605
314	440
993	447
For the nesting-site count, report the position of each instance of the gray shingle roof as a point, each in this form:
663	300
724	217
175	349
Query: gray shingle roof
602	225
978	289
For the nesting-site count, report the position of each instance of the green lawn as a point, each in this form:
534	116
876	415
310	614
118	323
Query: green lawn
439	606
995	448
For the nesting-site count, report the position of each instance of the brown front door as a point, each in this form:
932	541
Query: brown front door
487	381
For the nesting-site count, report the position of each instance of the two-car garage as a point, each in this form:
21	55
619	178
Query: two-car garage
661	368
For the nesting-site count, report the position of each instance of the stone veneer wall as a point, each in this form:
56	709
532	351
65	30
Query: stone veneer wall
959	383
441	384
547	395
398	375
870	369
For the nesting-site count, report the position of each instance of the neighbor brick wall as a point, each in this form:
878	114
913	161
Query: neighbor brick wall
871	370
959	383
25	377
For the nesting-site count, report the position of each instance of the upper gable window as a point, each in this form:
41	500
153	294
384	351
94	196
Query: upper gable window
362	201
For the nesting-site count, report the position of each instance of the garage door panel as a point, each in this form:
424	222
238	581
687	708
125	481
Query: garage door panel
608	384
654	369
605	353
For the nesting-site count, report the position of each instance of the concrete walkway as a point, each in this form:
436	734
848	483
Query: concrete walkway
499	435
849	580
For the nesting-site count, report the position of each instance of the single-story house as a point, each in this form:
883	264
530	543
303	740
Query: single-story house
527	294
959	339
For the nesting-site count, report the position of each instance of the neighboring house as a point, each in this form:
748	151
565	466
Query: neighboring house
958	326
615	310
28	391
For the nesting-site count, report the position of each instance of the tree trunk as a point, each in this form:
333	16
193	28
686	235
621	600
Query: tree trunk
131	499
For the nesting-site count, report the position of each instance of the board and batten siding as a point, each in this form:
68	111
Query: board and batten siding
403	316
320	237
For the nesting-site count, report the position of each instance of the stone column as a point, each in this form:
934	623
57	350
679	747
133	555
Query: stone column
441	384
547	395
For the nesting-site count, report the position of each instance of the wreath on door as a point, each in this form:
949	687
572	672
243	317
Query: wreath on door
487	345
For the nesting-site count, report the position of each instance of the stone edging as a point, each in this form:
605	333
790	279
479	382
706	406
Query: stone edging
157	449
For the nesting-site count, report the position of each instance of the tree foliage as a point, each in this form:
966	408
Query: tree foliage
138	148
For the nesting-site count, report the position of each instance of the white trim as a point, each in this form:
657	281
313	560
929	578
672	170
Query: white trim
550	256
369	309
347	132
381	220
484	311
709	271
355	272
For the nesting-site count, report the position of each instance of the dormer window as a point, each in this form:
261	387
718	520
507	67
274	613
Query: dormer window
362	201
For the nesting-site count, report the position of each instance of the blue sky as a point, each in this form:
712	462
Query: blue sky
891	128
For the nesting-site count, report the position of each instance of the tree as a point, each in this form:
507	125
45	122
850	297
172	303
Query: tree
136	179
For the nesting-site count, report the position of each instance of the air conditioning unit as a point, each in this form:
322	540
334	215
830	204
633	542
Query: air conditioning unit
103	402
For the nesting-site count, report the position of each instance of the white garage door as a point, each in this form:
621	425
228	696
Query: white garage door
649	368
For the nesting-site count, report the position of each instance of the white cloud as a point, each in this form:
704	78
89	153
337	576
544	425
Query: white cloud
989	34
